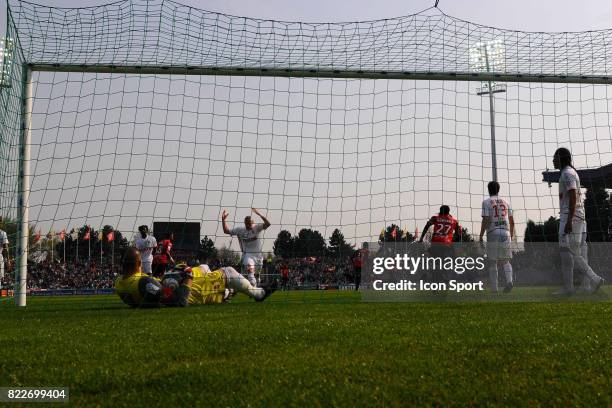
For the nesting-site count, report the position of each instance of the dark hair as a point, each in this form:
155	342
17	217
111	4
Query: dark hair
444	210
493	187
143	230
248	217
131	262
565	157
168	235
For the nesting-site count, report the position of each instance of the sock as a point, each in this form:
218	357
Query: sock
584	251
586	283
493	277
508	273
567	267
583	266
240	284
252	279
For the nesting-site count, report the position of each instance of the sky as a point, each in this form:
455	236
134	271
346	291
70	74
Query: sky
309	153
544	15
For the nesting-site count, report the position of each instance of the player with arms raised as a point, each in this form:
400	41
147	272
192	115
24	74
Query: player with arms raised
572	225
250	243
498	222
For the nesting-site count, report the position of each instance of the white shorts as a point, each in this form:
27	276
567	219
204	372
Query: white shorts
498	245
251	263
1	268
147	268
577	238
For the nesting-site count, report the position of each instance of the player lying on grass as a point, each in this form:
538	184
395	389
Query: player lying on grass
572	225
498	222
135	288
182	286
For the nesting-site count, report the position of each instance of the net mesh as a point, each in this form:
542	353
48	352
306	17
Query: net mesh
166	33
312	152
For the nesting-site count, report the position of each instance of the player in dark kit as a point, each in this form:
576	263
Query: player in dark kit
444	228
357	259
163	258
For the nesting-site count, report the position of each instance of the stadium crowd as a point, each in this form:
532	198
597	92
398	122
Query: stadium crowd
56	275
299	273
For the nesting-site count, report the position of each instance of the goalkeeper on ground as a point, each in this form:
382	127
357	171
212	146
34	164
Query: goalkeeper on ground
185	286
135	288
182	286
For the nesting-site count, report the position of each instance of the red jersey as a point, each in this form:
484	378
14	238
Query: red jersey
285	272
358	258
163	250
444	227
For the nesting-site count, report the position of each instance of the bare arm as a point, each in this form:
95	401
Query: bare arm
266	223
425	230
572	211
511	218
486	221
224	222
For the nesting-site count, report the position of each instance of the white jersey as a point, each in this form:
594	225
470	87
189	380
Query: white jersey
569	180
3	241
146	246
499	212
249	239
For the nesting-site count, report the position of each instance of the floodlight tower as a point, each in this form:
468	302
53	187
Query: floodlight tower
6	60
489	57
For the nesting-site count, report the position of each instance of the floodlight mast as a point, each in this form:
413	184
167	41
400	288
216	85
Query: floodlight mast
482	52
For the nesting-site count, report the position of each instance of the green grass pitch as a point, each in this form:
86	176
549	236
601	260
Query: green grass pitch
315	348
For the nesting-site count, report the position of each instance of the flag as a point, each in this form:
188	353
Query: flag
394	233
100	235
51	234
86	236
62	235
74	235
37	237
416	233
110	236
382	232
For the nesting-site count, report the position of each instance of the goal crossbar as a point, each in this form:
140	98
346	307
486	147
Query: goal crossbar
323	73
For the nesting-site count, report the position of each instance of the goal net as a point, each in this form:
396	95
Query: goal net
147	112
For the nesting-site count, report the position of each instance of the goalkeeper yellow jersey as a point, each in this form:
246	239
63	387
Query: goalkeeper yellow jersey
128	290
207	288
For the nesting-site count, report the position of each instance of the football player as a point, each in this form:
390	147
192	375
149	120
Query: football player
163	258
444	227
250	242
498	222
185	286
572	225
135	288
146	243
